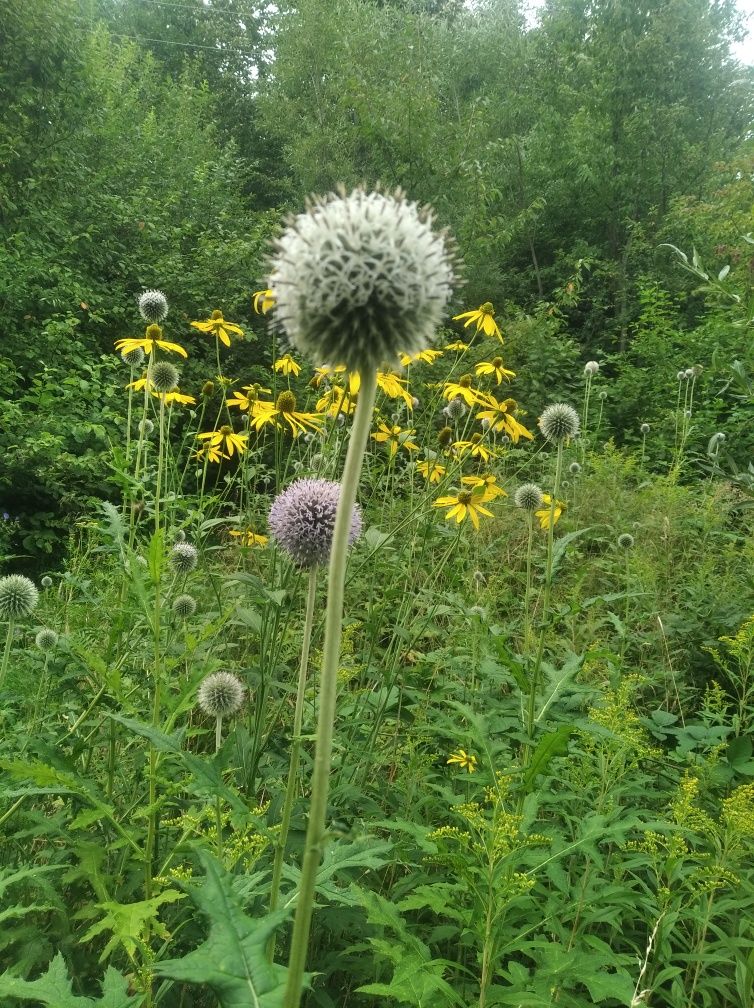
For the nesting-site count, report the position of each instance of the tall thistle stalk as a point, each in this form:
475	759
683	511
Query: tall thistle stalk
356	279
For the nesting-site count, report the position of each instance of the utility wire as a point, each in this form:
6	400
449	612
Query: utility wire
205	8
185	45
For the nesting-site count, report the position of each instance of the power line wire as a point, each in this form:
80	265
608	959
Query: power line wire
185	45
210	9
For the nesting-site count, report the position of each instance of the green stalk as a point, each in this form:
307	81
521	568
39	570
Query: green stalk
534	683
298	717
315	833
6	651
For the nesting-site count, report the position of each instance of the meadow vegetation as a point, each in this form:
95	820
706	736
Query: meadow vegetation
534	718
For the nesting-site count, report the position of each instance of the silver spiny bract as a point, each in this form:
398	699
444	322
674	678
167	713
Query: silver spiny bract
528	497
153	306
358	278
164	377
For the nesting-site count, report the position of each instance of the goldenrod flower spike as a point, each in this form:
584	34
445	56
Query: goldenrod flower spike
484	317
218	327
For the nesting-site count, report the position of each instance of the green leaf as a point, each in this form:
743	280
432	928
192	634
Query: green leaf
128	922
54	989
560	545
550	745
739	751
233	961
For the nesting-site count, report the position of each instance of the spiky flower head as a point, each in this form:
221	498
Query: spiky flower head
134	358
46	581
153	306
302	520
184	606
46	639
559	421
456	409
360	277
689	373
681	375
603	395
574	468
146	426
18	596
221	694
528	497
165	376
184	557
625	541
645	428
591	368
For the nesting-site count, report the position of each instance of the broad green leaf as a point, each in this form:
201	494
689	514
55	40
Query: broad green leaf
232	961
54	989
128	922
550	745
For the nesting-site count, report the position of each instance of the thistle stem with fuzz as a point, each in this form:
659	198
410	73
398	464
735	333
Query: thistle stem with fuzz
315	833
298	717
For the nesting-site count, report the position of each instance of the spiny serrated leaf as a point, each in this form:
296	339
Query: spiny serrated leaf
128	921
233	960
54	989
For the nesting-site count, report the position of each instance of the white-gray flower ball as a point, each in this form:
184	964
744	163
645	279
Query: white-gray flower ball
220	694
528	497
591	368
359	278
18	596
153	306
184	557
46	639
559	422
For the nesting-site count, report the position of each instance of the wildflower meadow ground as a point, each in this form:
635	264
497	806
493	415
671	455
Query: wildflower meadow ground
379	685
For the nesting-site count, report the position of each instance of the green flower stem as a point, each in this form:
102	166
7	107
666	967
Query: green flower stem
535	674
160	465
315	833
298	717
6	651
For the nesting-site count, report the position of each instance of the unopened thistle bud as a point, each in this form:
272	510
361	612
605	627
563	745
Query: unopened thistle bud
134	358
208	389
528	497
455	410
444	437
358	278
184	557
625	541
18	597
165	376
184	606
153	306
559	422
221	695
645	428
146	427
46	581
46	639
574	468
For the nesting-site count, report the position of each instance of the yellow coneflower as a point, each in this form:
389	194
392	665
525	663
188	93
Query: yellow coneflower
395	437
426	356
484	485
225	438
394	387
458	346
499	415
152	338
210	453
484	317
263	300
464	504
495	367
544	514
432	471
464	760
461	389
245	402
475	447
218	327
339	400
283	412
286	365
324	373
248	537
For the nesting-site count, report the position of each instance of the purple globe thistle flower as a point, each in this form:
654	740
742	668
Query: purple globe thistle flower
302	520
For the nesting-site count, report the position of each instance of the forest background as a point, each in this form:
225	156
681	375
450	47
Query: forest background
153	143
